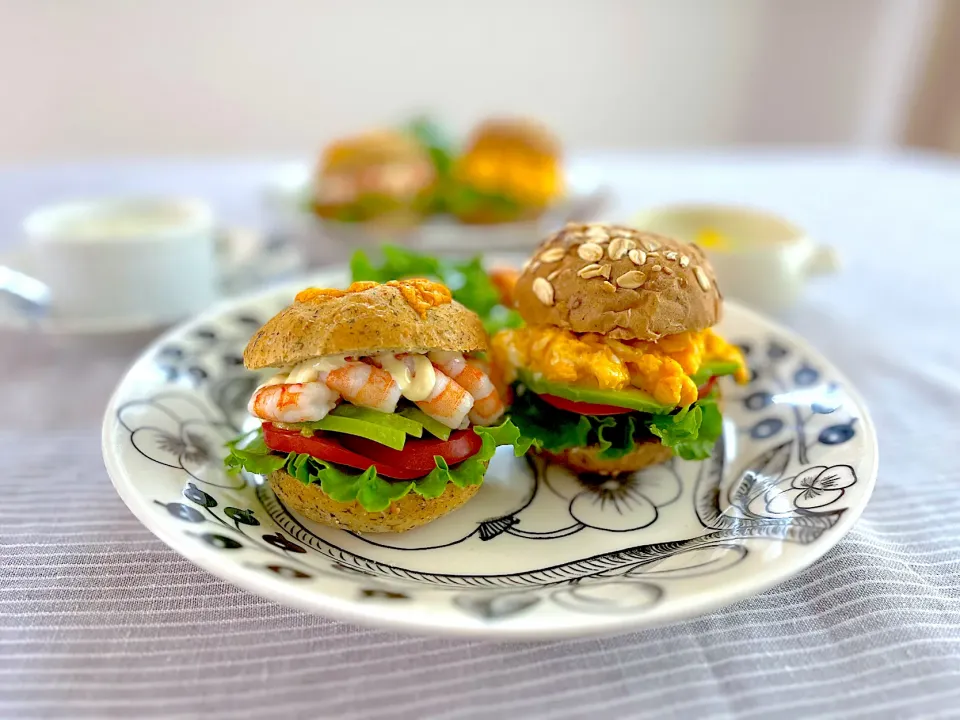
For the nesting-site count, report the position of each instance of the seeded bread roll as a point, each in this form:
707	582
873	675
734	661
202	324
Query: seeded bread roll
618	281
377	147
410	511
587	459
368	318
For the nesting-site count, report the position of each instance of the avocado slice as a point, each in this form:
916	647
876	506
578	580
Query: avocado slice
389	420
628	398
715	367
434	427
389	429
383	434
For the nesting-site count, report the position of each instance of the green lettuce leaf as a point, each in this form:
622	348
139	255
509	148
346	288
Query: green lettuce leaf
617	435
554	429
254	456
501	318
368	207
691	433
441	148
371	491
465	200
470	285
506	433
362	269
467	279
398	263
433	485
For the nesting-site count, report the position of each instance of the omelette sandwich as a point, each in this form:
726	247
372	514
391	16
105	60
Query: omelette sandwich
617	365
379	415
511	169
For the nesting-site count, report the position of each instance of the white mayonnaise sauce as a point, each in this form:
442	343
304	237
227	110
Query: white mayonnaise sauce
414	374
310	370
307	371
278	379
415	384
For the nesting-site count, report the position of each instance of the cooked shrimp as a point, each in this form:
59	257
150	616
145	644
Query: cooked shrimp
472	376
293	402
448	402
365	385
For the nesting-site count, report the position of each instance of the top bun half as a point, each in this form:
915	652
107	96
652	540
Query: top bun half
415	316
618	281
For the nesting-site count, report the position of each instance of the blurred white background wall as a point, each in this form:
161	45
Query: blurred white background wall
106	78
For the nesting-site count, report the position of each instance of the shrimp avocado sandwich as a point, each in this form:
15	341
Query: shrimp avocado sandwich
617	366
380	415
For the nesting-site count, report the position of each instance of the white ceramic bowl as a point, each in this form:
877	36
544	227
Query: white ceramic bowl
769	258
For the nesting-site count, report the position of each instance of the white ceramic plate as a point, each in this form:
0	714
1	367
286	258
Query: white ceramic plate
322	241
537	553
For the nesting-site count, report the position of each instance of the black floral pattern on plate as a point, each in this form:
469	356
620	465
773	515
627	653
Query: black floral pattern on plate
183	431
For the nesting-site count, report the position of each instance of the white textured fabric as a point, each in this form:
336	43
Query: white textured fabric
99	619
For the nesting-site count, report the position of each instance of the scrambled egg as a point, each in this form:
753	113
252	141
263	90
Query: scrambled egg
528	179
661	369
512	159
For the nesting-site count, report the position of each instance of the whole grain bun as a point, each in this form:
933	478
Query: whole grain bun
366	321
408	512
587	459
586	279
376	147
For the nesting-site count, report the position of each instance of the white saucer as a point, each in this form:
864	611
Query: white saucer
538	553
247	260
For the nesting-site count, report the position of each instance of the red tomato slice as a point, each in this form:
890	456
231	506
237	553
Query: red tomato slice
583	408
323	447
414	461
707	387
417	455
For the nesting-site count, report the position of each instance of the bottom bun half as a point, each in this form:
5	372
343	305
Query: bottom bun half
588	460
410	511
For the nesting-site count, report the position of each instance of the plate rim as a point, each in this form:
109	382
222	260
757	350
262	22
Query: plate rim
346	610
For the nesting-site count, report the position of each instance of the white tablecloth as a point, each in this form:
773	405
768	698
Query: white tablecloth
99	619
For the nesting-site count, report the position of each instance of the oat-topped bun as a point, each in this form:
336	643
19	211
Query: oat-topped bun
410	511
367	318
618	281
